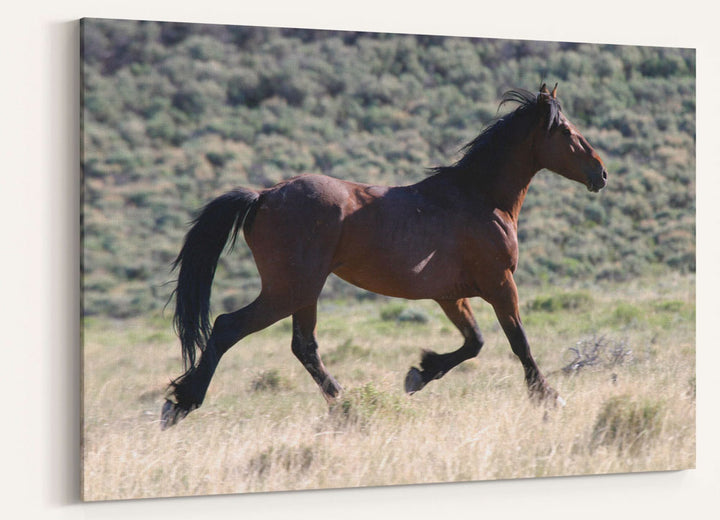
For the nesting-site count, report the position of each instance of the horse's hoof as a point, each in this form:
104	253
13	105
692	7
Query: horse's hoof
552	397
171	414
414	381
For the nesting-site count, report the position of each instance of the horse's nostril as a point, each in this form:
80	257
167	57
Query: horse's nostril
604	174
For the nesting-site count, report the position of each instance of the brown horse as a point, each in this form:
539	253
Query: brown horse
450	237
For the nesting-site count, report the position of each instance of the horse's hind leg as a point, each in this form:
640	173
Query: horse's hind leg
305	348
435	365
188	391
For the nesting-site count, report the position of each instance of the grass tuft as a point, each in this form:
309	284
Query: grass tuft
562	301
401	313
294	459
627	314
360	405
346	351
627	423
269	381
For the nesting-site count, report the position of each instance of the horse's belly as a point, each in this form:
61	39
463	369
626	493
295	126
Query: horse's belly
418	280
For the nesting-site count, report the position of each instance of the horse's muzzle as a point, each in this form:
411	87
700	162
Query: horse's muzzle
597	181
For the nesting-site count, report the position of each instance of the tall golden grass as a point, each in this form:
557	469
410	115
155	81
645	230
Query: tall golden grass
265	427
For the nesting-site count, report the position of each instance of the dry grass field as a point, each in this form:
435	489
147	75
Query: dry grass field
629	384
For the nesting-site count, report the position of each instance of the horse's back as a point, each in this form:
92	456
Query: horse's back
296	228
400	241
310	195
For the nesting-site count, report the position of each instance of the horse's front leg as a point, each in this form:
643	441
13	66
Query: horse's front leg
506	307
435	365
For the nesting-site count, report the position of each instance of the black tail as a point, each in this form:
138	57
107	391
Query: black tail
198	260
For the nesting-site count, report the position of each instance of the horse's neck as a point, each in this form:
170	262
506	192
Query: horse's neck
506	186
501	184
504	191
508	189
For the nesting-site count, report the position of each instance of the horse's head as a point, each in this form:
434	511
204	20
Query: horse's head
561	148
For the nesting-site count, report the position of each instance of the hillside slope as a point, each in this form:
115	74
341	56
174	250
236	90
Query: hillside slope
173	114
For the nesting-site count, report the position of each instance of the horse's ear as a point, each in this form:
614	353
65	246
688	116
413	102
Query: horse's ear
543	98
554	91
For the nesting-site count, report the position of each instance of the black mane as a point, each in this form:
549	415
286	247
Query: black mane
482	155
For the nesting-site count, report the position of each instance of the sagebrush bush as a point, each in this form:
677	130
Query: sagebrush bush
269	381
562	301
347	350
359	406
295	459
401	313
628	424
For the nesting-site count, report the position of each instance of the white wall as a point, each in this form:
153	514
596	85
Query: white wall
39	461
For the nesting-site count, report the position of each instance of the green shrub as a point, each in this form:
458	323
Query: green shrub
245	89
359	406
269	381
626	314
562	301
400	313
627	424
293	459
189	101
412	316
346	350
392	311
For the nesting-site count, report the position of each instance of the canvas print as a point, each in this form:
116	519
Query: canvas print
322	259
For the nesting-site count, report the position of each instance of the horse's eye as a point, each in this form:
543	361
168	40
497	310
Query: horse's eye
566	130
